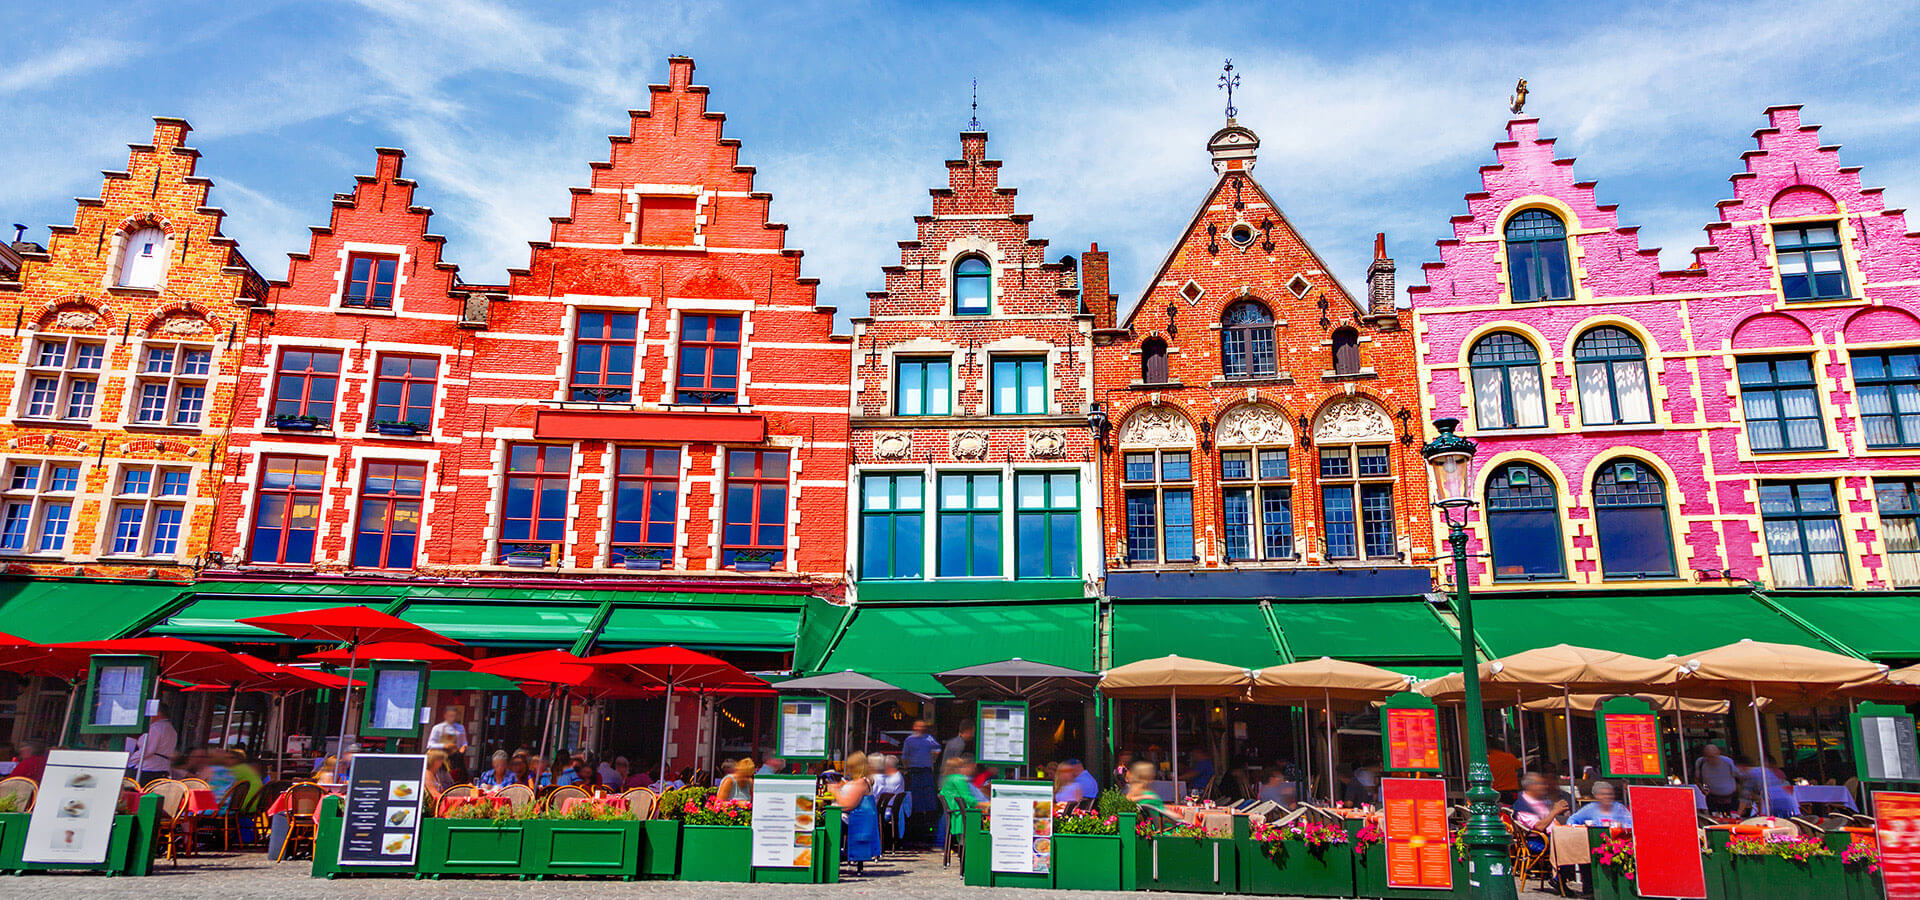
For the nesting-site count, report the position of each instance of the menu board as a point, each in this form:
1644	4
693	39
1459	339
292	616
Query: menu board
399	690
1896	819
72	819
804	727
384	793
117	691
783	820
1629	739
1884	744
1021	826
1414	816
1413	739
1003	732
1666	842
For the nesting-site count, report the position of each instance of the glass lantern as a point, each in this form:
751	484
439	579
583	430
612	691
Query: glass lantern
1451	457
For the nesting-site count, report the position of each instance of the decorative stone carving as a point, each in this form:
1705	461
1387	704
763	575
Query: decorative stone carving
76	319
892	445
1352	420
183	324
970	445
1158	426
1253	423
1046	444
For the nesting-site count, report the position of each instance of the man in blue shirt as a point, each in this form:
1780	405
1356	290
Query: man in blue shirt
499	776
918	753
1199	775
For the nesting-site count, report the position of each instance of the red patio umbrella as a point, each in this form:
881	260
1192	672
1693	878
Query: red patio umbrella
674	668
179	660
437	658
552	674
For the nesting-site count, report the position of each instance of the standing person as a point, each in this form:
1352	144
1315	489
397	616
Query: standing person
153	751
918	753
960	744
448	734
1718	778
1506	771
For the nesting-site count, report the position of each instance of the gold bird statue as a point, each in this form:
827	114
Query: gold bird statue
1519	98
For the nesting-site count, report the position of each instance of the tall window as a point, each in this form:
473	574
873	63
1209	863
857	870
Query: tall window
1782	404
1804	540
646	504
604	344
37	510
403	390
63	381
1159	489
892	525
286	516
1046	535
923	386
1523	524
1899	503
306	384
143	260
389	521
1019	385
756	530
1611	366
370	280
1153	361
533	523
969	525
1630	513
1246	342
972	287
1346	352
1537	266
1356	496
1889	389
709	360
1256	503
1506	382
171	387
1810	263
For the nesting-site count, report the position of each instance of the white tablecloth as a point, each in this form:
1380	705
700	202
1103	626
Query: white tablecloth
1823	793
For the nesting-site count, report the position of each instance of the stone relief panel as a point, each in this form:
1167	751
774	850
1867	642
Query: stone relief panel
1352	420
1159	426
1253	423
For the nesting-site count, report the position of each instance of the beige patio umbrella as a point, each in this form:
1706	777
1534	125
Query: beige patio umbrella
1326	680
1790	673
1586	703
1173	677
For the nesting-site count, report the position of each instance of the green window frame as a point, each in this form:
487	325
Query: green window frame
1806	543
1610	369
969	525
972	286
1812	266
1889	388
1629	510
1898	502
1019	385
1046	537
1538	267
1507	383
892	525
1523	525
923	386
1780	398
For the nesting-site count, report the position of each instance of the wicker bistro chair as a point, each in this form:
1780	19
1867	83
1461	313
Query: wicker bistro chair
456	792
302	800
641	802
196	784
519	796
559	796
23	788
173	808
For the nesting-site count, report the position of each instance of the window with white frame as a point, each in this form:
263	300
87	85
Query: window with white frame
149	511
143	259
36	509
63	378
1256	497
171	384
1356	497
1159	498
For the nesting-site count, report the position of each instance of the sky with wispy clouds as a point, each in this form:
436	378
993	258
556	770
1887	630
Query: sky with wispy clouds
1373	117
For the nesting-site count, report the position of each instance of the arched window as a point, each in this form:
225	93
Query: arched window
1523	524
1153	361
1630	513
143	259
1246	342
1506	382
1537	267
1346	352
1611	366
972	287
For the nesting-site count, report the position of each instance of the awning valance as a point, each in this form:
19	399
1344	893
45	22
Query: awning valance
907	645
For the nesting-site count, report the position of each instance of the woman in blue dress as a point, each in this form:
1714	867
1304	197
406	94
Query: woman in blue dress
855	796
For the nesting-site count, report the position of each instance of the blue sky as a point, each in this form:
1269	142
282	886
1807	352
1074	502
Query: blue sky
1373	117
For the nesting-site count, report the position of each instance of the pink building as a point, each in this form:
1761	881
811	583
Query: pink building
1752	417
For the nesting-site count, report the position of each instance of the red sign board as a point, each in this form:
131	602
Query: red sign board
1414	816
1413	740
1633	746
1666	842
1897	826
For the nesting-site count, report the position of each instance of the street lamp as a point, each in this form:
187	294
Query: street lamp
1488	876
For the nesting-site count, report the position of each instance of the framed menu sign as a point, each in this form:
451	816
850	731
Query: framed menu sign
1002	727
804	726
1410	733
397	691
1022	832
117	692
1883	743
783	821
384	793
1629	739
1413	812
72	819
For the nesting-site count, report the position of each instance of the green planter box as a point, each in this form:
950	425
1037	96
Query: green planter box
725	853
129	851
1370	876
1297	871
976	865
1089	862
1192	865
470	847
563	847
659	848
1773	878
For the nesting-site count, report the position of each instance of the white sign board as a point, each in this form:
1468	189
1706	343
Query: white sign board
1003	733
72	818
395	694
783	821
1022	827
803	729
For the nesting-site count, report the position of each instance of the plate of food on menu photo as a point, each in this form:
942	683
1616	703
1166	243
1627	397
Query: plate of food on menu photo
403	790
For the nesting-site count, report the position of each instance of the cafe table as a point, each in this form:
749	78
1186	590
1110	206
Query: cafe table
1833	794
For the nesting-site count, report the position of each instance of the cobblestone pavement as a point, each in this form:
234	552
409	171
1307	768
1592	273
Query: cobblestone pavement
249	875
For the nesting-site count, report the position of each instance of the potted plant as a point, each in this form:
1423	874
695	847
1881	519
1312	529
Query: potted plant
1304	857
1783	867
392	428
295	423
1613	866
644	559
1370	865
525	556
753	560
1860	865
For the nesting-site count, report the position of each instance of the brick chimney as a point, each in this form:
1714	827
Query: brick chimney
1380	290
1093	287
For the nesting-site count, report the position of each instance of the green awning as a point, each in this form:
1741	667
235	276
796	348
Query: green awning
1376	632
762	629
503	623
1651	624
216	618
1876	624
78	609
907	645
1233	633
468	681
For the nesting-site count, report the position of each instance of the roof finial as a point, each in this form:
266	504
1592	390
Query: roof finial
1519	99
973	124
1229	81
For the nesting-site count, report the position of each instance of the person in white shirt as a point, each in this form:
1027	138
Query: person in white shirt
890	780
448	734
153	752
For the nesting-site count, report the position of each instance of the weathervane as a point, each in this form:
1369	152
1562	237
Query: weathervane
973	124
1229	81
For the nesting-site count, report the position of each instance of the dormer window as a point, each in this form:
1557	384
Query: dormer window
1346	352
972	287
1153	361
1810	263
370	281
1537	264
143	259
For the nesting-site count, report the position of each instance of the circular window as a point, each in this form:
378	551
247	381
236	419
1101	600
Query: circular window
1242	234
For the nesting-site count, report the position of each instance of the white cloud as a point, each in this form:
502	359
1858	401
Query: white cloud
71	58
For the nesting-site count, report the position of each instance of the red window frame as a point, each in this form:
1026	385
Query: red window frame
703	388
364	292
597	385
303	403
756	482
292	493
657	467
392	499
407	381
546	468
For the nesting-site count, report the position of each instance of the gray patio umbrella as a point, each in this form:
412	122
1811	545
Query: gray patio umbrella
853	689
1018	679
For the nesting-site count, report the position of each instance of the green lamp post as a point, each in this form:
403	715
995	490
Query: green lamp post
1489	875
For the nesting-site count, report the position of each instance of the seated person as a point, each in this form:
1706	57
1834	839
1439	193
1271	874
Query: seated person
500	775
1074	783
32	763
1280	792
1539	804
1605	808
